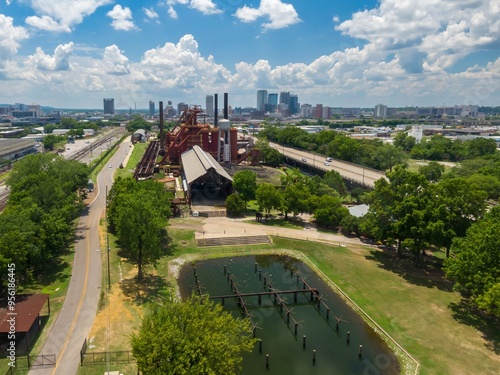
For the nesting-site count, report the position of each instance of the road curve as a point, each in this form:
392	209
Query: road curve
350	171
77	315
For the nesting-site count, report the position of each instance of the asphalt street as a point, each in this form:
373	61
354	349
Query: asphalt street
77	315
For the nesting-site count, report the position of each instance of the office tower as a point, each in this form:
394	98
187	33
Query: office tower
181	107
109	106
209	106
293	104
285	98
272	99
380	110
261	100
318	111
151	108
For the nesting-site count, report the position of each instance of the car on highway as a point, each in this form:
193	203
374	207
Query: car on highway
109	166
304	160
328	159
326	163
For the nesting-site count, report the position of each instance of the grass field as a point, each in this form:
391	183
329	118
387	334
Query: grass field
134	159
415	306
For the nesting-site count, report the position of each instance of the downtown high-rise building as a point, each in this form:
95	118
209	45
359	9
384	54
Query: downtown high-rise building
272	99
293	104
109	106
261	100
380	110
209	105
151	108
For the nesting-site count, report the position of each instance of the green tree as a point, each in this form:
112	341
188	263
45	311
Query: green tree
50	140
454	207
235	205
334	180
388	156
405	141
140	217
475	264
245	183
330	211
192	337
433	171
268	197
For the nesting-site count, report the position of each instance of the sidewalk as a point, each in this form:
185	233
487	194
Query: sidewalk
227	227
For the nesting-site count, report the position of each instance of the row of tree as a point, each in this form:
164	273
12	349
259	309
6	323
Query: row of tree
138	215
296	194
374	153
46	195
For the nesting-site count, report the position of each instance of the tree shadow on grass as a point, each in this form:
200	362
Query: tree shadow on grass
150	289
424	274
466	313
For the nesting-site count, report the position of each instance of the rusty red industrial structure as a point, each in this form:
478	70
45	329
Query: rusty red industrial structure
189	132
219	140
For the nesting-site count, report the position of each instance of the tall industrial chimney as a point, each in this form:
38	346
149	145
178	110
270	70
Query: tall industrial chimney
226	106
162	131
216	109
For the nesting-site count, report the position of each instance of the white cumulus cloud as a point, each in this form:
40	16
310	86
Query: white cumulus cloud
122	18
62	15
431	34
10	37
151	13
57	62
206	7
115	61
280	14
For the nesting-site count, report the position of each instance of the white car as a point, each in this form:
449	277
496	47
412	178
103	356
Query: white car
109	166
326	163
304	160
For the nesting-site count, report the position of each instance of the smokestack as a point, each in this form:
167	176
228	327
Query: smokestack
226	107
216	109
162	131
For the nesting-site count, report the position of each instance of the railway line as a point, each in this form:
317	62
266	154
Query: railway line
148	161
79	155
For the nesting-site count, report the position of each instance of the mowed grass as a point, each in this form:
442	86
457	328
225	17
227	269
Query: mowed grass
415	306
135	158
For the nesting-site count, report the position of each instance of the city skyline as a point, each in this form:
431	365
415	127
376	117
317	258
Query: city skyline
338	53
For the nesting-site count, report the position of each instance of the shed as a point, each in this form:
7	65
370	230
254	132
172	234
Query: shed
28	314
204	178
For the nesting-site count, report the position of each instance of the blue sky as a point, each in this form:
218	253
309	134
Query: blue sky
74	53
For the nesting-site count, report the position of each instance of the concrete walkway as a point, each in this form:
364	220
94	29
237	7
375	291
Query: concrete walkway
213	227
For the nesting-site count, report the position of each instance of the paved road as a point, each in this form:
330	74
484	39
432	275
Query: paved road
350	171
78	312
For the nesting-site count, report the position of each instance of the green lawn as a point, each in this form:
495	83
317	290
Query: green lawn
415	306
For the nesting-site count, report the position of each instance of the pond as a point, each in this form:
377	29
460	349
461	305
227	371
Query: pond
304	326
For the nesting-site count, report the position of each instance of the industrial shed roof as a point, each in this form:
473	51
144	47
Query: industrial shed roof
197	163
27	309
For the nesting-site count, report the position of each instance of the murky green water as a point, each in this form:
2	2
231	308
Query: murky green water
287	354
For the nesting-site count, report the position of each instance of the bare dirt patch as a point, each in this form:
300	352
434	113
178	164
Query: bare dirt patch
264	173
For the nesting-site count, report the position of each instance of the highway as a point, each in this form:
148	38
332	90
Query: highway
80	305
353	172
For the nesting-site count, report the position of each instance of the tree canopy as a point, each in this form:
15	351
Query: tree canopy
192	337
46	195
245	183
475	264
138	214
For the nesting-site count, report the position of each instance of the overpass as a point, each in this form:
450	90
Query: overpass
356	173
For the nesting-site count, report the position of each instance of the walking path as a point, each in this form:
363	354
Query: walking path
213	227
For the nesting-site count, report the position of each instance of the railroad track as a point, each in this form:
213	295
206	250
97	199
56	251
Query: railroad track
82	153
4	197
146	166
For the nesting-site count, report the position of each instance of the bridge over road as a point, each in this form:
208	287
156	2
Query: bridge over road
353	172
